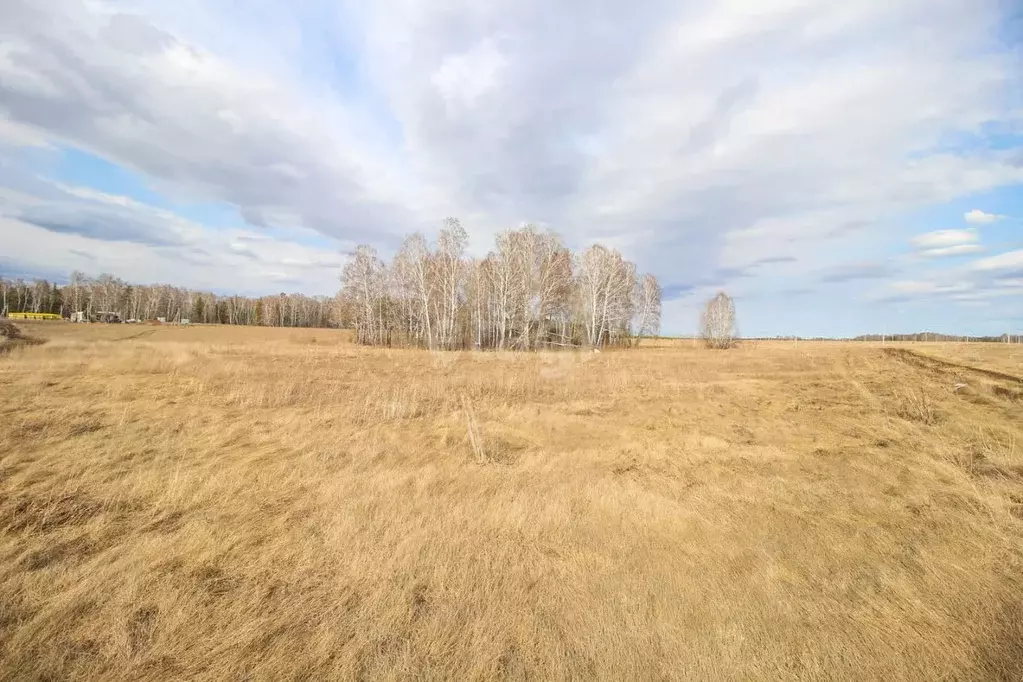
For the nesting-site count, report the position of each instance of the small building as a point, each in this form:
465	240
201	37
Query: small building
33	316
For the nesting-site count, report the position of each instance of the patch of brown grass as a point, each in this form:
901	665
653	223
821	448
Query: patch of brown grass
1004	357
223	503
11	337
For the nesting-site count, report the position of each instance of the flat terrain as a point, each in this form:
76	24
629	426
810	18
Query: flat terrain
999	357
232	503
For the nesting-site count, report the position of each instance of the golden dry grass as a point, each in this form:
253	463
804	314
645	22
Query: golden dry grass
229	503
1000	357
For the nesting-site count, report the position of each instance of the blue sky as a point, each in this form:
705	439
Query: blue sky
840	168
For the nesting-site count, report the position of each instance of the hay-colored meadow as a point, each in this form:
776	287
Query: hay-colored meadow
214	503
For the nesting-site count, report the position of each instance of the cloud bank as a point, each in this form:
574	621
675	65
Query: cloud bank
758	146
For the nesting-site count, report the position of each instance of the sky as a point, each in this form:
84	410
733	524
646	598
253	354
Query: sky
838	168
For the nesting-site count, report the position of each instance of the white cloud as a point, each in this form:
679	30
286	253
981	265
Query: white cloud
945	251
945	243
703	139
14	134
994	278
978	217
198	125
943	238
927	287
80	228
463	78
1003	261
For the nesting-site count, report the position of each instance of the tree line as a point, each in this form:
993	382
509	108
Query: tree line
106	294
529	292
935	336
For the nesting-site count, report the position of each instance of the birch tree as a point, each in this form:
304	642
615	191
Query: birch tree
412	268
361	281
648	307
717	323
450	269
606	283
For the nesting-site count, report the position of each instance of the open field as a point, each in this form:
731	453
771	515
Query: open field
241	503
998	357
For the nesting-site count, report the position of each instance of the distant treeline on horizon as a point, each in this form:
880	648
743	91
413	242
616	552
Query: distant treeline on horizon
918	336
107	293
933	336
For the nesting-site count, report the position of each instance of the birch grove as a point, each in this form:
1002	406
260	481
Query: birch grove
529	292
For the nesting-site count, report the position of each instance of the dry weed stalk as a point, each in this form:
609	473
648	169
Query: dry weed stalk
474	433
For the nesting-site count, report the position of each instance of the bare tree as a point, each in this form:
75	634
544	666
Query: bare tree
415	284
450	273
717	324
504	286
648	306
362	283
544	267
605	290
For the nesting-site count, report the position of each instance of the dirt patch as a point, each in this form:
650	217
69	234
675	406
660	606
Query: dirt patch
9	330
943	366
12	337
965	378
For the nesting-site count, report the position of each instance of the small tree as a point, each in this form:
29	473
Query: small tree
717	324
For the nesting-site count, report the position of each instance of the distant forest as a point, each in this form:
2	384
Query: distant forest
933	336
107	293
918	336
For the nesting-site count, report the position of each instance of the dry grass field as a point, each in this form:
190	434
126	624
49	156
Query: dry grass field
215	503
998	357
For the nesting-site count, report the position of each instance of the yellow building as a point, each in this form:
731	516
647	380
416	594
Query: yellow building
33	316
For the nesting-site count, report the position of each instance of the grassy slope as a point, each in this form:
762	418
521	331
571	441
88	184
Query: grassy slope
213	502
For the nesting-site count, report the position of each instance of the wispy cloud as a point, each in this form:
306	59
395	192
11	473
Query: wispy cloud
945	243
908	290
1009	261
978	217
943	238
997	277
856	271
947	251
98	229
806	129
